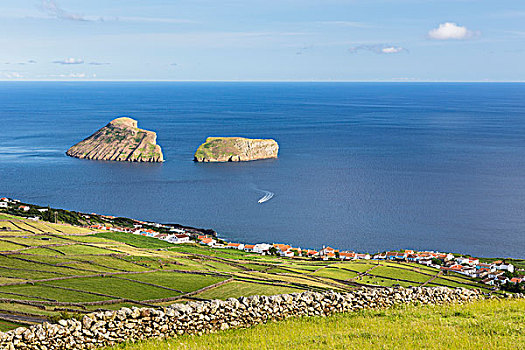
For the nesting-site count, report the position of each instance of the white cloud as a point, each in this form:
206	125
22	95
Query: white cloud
451	31
23	63
72	76
378	49
392	49
53	9
70	61
12	75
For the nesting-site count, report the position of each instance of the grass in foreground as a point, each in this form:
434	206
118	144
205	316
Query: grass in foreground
489	324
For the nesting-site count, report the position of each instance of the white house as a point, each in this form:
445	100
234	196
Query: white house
249	248
178	238
347	255
469	271
448	256
505	267
208	241
261	248
426	262
311	253
3	205
362	256
481	273
238	246
488	267
467	261
43	210
177	230
328	251
287	253
24	208
149	233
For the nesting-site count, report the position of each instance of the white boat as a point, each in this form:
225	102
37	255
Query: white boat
268	195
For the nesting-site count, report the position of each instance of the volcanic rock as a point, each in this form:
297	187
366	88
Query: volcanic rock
120	140
235	149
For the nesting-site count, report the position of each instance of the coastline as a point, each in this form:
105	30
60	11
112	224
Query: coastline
492	271
215	234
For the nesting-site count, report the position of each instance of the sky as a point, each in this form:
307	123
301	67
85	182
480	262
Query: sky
263	40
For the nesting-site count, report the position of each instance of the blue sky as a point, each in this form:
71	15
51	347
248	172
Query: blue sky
269	40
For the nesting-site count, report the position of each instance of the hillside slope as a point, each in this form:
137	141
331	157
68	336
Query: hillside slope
47	269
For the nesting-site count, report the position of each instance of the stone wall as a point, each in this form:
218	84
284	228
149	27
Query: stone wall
111	327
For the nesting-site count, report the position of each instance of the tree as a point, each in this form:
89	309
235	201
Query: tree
509	274
437	261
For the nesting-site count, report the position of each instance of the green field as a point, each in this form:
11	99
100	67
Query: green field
488	324
134	240
46	268
238	289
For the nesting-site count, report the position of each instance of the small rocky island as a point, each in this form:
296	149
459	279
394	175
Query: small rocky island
120	140
235	149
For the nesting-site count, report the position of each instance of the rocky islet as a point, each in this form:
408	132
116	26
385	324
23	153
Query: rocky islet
120	140
236	149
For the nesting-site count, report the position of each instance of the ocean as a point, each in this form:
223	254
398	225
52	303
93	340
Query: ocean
362	166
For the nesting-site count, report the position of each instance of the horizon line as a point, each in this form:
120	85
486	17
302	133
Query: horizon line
257	81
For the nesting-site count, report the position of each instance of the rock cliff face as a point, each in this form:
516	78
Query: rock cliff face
120	140
235	149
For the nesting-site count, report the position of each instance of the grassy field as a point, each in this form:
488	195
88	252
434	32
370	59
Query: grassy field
488	324
134	240
47	268
238	289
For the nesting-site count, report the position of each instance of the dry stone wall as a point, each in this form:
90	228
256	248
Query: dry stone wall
129	324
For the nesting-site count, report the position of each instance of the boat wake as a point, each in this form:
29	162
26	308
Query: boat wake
267	196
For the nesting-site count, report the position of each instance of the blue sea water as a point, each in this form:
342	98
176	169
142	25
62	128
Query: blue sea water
362	166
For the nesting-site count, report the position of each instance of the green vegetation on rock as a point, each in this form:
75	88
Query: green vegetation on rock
120	140
235	149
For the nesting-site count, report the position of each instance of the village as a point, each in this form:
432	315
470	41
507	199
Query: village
496	273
